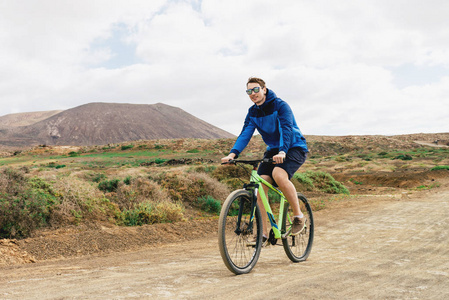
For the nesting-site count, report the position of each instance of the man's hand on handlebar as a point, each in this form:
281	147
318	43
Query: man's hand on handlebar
279	158
228	158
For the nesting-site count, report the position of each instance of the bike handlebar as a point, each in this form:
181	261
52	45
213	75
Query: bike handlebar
249	162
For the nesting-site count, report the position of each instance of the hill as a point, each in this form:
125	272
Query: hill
25	119
104	123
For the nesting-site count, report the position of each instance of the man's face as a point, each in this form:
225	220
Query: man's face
257	98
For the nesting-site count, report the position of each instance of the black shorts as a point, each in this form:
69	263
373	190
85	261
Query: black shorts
293	160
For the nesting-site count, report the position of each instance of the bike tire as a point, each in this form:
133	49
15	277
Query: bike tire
237	255
298	247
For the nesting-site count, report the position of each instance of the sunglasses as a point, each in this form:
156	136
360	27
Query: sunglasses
255	90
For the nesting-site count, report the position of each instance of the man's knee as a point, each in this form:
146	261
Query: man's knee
280	174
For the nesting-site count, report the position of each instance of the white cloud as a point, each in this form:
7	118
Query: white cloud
341	65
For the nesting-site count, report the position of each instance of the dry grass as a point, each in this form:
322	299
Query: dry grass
81	200
140	190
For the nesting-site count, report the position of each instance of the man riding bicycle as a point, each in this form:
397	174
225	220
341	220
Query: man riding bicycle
274	120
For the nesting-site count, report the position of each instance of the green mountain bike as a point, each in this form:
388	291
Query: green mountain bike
240	221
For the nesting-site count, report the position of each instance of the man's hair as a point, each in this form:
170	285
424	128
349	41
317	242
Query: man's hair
256	80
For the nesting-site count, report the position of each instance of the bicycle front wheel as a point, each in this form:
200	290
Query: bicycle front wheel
298	247
236	233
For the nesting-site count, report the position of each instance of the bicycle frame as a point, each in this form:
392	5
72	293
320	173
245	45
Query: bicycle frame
257	182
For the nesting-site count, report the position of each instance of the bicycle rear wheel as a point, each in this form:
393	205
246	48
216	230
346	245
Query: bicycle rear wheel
236	230
298	247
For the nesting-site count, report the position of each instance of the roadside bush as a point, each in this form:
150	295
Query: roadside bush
303	182
321	181
143	201
25	205
209	204
139	190
80	201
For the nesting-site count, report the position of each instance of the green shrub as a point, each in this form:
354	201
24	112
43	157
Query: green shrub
25	204
303	182
127	180
22	214
439	168
126	147
108	185
73	154
209	204
403	157
355	181
159	161
321	181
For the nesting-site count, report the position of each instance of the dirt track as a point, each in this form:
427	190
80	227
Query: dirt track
389	248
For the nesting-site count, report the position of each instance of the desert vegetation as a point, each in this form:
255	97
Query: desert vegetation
164	181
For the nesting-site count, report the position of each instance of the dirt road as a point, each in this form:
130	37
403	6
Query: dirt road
385	249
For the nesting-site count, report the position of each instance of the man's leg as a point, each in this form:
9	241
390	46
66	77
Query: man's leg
289	191
287	187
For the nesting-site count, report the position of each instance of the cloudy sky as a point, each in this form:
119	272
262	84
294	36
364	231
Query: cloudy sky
345	67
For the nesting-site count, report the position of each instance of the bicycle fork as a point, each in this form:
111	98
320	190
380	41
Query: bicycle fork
249	228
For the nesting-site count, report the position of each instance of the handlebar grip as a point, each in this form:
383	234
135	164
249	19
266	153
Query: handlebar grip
268	160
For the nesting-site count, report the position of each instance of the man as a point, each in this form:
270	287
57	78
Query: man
274	120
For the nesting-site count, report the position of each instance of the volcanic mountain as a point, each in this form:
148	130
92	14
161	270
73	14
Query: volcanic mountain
105	123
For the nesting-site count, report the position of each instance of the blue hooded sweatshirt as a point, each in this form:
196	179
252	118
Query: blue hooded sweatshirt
276	124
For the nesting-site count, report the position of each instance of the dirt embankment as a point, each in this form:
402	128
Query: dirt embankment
373	247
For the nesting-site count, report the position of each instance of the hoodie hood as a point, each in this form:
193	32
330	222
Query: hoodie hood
270	97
